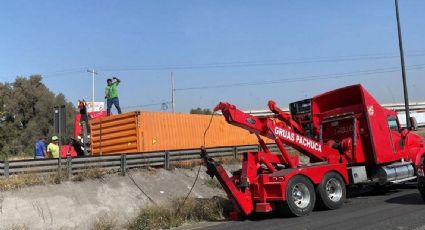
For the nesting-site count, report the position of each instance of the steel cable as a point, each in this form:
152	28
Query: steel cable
199	169
140	188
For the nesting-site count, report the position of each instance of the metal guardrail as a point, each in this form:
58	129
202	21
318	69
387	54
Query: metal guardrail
120	162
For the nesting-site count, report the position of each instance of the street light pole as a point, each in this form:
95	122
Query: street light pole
173	94
93	72
403	71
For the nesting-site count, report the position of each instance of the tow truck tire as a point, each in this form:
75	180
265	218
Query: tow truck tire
421	187
422	191
300	197
331	192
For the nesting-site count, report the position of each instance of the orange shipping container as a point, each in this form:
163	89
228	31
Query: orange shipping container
159	131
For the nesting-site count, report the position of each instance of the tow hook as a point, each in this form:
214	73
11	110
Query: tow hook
208	162
244	183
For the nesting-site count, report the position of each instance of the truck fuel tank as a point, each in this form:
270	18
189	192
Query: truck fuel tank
396	172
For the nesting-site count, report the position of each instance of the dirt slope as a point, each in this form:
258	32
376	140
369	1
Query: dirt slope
76	205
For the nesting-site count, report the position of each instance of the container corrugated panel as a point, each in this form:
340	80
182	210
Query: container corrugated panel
115	134
158	131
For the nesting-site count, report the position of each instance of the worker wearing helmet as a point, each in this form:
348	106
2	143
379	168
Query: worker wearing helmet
111	95
53	147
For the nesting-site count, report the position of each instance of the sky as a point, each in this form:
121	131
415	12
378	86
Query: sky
243	52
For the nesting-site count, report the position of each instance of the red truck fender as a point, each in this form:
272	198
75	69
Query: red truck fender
419	156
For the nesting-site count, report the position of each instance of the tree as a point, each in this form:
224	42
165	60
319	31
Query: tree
201	111
26	114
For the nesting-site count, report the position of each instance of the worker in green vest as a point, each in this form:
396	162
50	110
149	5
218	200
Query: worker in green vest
111	95
53	148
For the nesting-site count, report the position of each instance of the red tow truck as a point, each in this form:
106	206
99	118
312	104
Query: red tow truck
349	138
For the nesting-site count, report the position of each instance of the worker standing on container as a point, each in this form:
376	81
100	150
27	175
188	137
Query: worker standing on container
53	148
40	149
111	95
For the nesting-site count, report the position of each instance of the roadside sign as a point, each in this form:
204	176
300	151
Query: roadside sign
99	106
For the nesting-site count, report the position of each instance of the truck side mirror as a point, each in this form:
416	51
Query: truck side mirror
404	133
413	123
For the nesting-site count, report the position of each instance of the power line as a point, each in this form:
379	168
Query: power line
72	70
306	78
147	105
257	63
52	74
55	73
62	73
235	64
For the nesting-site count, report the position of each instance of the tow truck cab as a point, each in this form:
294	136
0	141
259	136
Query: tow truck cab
351	119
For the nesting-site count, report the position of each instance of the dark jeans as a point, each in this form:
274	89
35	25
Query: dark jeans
115	102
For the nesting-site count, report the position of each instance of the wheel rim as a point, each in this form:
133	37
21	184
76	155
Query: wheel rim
334	190
301	195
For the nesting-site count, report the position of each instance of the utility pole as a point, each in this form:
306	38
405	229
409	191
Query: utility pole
403	71
173	94
94	73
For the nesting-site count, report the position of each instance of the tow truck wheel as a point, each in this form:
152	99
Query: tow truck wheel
331	192
421	187
422	191
300	197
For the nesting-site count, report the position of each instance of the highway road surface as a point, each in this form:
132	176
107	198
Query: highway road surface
399	208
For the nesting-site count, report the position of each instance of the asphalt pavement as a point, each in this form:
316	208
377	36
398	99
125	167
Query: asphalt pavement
399	208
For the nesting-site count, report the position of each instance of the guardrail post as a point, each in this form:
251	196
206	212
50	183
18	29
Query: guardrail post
167	160
6	168
59	165
69	166
235	151
123	164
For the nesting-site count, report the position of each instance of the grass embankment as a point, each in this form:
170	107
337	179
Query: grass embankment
173	214
19	181
164	216
176	214
25	180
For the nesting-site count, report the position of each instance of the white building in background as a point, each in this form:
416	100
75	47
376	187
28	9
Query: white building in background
417	110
